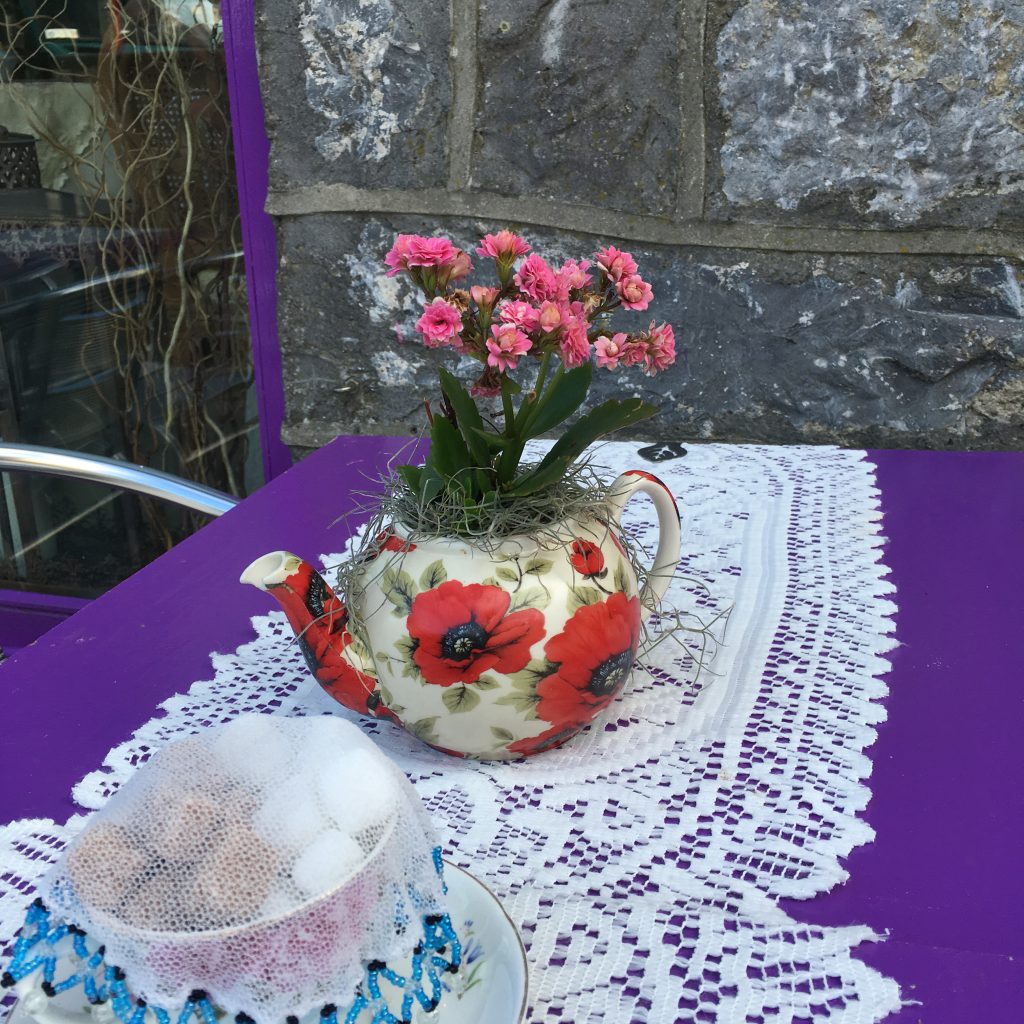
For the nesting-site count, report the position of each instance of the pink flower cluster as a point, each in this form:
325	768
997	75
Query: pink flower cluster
655	349
415	254
538	309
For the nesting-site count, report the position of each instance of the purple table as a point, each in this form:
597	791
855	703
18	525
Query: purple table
944	875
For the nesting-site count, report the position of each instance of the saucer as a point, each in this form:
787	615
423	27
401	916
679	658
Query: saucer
492	985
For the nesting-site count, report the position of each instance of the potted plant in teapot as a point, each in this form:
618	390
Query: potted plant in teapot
492	608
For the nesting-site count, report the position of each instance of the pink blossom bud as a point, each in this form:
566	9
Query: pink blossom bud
430	252
616	263
634	292
398	257
506	346
484	297
441	324
505	246
551	317
608	351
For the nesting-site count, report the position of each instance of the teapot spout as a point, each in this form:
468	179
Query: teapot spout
320	622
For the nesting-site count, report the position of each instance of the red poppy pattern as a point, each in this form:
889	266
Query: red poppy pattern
592	656
463	630
586	558
320	621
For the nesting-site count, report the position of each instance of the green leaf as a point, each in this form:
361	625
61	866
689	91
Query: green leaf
424	729
562	399
622	578
538	598
449	455
491	581
524	703
466	414
526	679
538	566
399	589
486	683
503	736
580	596
406	647
434	575
504	573
609	416
459	698
431	485
494	442
413	477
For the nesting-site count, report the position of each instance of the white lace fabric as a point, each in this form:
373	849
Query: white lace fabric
643	861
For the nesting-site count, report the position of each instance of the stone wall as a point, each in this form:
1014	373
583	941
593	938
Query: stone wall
827	198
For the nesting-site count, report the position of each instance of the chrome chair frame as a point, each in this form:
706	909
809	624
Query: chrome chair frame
115	473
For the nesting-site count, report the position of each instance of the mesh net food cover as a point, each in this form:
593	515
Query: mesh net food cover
264	862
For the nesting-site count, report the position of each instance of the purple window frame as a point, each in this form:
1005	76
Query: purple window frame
252	160
26	615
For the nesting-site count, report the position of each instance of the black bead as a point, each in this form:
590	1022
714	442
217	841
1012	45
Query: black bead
243	1018
434	919
48	988
118	974
376	965
453	968
197	995
328	1010
140	1002
418	949
291	1019
7	980
38	903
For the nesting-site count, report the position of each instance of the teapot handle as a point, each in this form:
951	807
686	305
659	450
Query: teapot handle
637	481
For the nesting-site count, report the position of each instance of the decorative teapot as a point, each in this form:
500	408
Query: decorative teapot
491	654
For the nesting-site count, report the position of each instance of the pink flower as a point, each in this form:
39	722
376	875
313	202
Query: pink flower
507	345
398	258
505	246
430	252
609	350
615	263
520	314
440	324
484	297
573	276
537	279
634	292
574	344
552	316
661	349
634	353
458	268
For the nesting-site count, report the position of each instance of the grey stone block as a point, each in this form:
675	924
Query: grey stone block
355	91
883	351
579	101
870	112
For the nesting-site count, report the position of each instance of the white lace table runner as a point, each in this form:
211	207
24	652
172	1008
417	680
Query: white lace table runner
643	861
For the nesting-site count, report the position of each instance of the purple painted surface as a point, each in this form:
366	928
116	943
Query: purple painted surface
943	875
25	616
252	151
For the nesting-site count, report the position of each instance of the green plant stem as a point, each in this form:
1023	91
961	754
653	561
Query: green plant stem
543	398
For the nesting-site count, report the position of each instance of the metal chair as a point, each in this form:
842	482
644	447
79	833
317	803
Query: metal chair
127	475
112	472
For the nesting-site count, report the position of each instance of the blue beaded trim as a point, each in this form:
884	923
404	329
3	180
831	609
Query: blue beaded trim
439	952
